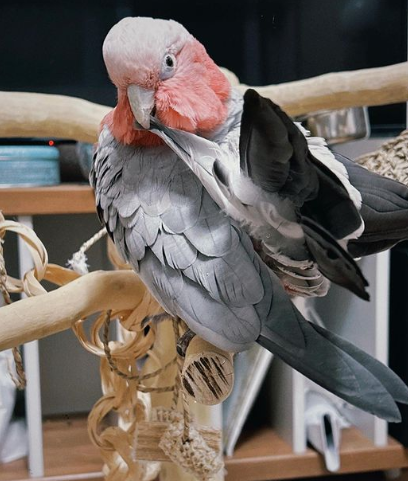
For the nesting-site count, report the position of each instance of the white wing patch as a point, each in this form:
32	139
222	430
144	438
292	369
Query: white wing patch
318	147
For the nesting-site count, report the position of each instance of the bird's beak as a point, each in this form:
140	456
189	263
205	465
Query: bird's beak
142	103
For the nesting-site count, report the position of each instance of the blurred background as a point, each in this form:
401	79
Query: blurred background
55	47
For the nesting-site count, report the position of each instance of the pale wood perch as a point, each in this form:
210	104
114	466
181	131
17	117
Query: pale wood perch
37	317
365	87
41	316
42	115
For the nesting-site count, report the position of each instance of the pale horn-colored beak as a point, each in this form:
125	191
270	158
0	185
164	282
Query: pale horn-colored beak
142	103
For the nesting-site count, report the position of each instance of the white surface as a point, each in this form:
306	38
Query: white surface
382	301
365	324
250	370
32	369
16	444
323	428
288	405
7	394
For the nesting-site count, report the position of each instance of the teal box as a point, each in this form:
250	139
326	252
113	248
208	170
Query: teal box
28	166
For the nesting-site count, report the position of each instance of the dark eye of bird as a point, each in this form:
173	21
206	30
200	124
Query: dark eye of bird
169	62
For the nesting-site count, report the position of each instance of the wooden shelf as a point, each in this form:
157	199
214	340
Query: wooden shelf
262	455
60	199
68	453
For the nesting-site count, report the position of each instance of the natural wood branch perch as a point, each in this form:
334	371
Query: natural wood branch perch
40	316
366	87
42	115
35	318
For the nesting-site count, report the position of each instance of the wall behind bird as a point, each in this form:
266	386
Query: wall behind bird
55	47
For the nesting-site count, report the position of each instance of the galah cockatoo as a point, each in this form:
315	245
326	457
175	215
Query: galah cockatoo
225	209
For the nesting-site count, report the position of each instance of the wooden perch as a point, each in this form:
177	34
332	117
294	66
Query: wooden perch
40	316
42	115
57	116
34	318
366	87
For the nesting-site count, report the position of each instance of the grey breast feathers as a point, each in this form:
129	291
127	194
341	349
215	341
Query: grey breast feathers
189	254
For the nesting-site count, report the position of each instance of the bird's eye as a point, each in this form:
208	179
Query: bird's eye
169	66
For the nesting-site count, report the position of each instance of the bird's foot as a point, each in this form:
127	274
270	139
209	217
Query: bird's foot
155	318
184	341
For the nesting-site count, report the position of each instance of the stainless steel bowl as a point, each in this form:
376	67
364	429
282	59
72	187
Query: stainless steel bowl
338	126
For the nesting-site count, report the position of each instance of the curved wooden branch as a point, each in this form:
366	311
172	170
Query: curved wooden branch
122	290
40	316
366	87
42	115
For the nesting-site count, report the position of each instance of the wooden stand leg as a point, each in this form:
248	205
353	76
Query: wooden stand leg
32	369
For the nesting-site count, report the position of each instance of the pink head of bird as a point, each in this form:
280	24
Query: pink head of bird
159	68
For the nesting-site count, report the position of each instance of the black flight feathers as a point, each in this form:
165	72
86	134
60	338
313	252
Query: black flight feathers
275	155
334	262
384	210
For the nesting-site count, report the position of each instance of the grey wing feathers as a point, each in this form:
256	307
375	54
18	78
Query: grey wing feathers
211	232
232	328
342	269
392	383
275	155
182	216
216	296
272	153
224	278
174	250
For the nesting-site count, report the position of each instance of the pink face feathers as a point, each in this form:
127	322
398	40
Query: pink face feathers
190	92
194	99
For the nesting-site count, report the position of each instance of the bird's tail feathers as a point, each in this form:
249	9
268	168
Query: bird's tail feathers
333	261
339	366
